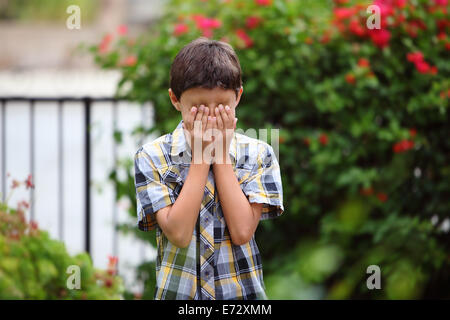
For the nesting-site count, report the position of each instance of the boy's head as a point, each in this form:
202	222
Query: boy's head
205	72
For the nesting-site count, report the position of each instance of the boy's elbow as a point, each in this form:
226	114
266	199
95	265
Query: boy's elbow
180	240
241	239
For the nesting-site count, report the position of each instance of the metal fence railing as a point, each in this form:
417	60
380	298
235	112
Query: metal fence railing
59	103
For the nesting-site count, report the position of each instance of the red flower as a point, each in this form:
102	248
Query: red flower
204	23
263	2
442	24
363	63
129	61
28	182
180	29
24	204
344	13
208	23
422	67
33	225
442	3
380	37
412	132
356	28
245	37
122	29
433	70
350	78
401	3
323	139
112	261
382	196
415	57
386	7
253	22
108	283
366	191
104	45
403	146
442	36
112	265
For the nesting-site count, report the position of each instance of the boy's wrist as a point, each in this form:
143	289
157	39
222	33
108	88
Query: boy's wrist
200	165
222	165
222	158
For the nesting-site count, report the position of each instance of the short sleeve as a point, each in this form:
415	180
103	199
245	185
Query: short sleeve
152	194
264	184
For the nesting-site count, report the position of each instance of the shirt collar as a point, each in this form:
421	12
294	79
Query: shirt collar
180	145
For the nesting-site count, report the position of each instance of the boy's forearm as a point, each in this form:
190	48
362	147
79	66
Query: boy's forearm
183	215
236	208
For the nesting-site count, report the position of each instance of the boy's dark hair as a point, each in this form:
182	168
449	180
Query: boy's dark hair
207	64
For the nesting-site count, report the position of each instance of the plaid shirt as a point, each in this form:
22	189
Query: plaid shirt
211	267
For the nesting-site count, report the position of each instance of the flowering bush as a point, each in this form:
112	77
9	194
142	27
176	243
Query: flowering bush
34	266
364	148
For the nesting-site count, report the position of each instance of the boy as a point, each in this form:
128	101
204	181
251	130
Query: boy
206	194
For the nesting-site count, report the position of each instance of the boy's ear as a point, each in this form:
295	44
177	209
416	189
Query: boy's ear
239	96
176	104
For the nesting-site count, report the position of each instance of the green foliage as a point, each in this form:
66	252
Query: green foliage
364	148
34	266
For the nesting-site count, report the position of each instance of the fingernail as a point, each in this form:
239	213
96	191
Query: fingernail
221	107
193	109
209	117
201	108
227	108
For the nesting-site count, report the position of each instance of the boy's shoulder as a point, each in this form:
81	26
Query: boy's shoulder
250	151
156	149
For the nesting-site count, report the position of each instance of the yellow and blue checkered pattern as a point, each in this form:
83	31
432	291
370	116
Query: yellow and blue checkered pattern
211	267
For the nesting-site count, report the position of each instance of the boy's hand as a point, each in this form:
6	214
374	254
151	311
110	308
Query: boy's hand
225	123
196	125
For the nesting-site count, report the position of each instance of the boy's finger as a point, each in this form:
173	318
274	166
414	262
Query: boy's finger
199	115
209	123
190	119
225	118
205	118
219	118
